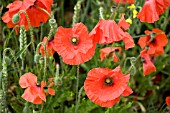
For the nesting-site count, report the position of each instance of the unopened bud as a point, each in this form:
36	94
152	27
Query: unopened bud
15	18
37	58
41	60
7	60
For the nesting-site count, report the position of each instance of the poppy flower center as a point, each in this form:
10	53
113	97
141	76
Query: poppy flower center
38	84
108	81
143	60
46	89
153	41
74	40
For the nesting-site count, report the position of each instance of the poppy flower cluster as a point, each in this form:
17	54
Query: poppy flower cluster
105	86
34	10
74	44
35	92
153	45
152	9
107	32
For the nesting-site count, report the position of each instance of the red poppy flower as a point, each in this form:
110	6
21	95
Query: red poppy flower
125	1
35	14
47	89
105	86
156	45
110	51
74	44
49	48
152	9
148	66
13	9
106	32
34	91
168	100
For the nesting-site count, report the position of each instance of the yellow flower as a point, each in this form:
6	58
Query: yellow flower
131	7
135	13
129	21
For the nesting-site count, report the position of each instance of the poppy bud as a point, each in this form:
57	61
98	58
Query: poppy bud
15	18
41	60
133	60
26	108
113	8
37	58
7	60
35	110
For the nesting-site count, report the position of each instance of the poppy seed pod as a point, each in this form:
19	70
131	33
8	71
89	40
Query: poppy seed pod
15	18
52	22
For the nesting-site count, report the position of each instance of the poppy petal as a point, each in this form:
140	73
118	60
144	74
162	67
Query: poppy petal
168	101
51	91
27	80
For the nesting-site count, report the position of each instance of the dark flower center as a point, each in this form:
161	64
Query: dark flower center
36	109
153	41
46	89
143	60
38	84
108	81
152	58
74	40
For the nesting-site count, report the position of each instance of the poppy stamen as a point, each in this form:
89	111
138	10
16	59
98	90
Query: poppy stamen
108	81
74	40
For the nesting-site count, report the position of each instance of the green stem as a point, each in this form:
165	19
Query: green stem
79	97
140	36
85	12
77	86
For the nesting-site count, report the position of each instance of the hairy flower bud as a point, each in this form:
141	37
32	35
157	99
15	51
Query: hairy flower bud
15	18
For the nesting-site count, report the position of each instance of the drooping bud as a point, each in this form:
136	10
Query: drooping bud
41	60
37	58
7	60
15	18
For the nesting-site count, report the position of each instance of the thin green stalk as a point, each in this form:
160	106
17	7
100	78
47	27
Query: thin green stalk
79	97
86	10
77	87
140	36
